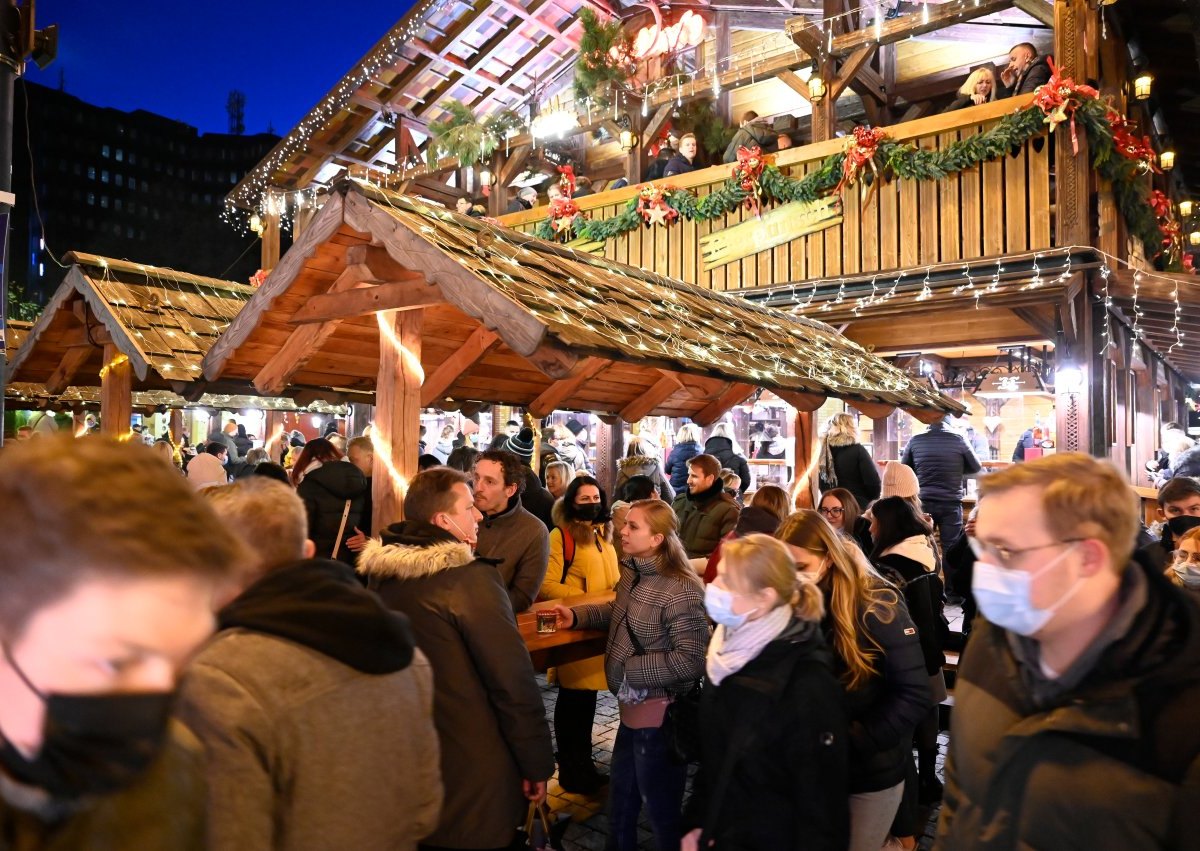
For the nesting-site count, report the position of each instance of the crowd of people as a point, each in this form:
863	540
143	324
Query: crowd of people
245	666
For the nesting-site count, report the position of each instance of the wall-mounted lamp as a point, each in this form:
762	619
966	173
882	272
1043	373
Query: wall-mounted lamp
1185	209
256	223
629	140
1194	237
1167	160
485	178
1141	86
816	88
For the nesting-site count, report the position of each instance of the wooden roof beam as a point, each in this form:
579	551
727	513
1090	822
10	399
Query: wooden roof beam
1039	10
1155	288
812	40
662	390
369	298
475	349
720	406
805	402
874	410
72	361
563	389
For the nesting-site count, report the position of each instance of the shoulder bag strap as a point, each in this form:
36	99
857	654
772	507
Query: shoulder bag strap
568	546
638	649
337	544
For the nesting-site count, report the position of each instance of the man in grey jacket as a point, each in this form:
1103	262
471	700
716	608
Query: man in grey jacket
496	749
313	703
510	536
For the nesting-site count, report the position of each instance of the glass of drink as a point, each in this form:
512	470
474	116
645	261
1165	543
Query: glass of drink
547	622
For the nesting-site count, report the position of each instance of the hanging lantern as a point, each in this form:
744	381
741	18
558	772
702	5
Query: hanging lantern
256	224
1167	160
816	88
1185	209
485	178
1141	86
1194	237
628	140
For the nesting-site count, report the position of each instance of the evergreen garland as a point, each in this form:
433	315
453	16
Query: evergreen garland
462	136
908	162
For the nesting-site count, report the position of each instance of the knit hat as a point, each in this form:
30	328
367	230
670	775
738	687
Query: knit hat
521	445
575	427
899	480
754	519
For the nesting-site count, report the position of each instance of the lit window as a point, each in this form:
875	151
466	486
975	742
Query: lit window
120	155
91	172
41	269
91	199
104	176
104	152
104	201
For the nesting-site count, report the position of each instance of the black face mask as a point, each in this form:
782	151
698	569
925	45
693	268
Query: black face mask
91	744
588	512
1177	527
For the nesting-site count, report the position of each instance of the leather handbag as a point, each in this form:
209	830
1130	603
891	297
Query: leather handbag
681	726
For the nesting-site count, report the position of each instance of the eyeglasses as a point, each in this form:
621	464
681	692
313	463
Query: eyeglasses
832	512
1184	555
1005	555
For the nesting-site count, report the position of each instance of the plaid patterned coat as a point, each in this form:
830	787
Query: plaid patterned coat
667	617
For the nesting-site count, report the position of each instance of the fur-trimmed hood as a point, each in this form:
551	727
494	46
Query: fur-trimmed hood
412	550
840	440
640	465
579	530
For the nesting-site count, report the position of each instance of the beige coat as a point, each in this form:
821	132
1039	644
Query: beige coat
594	569
306	753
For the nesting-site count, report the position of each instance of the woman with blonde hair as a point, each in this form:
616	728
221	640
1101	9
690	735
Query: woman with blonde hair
657	636
1184	570
687	447
558	476
878	658
845	462
979	87
773	752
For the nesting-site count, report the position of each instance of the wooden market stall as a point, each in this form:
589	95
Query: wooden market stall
388	293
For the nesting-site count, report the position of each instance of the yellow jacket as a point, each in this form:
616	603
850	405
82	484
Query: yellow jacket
594	569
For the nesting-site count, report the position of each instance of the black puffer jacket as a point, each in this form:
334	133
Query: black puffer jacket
884	712
856	472
325	492
940	459
787	783
923	596
756	134
721	448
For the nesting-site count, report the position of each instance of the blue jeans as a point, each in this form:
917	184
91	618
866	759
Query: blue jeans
643	773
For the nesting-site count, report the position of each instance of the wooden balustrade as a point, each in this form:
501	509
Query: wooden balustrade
1001	207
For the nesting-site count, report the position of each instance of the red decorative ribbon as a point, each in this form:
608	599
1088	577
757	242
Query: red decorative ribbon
861	148
1140	151
566	180
563	212
1059	97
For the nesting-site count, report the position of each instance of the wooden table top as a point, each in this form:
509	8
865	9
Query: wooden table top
548	649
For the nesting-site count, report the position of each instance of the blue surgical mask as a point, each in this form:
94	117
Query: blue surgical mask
719	604
1004	598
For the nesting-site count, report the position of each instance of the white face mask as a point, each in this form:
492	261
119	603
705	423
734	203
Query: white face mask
719	604
1003	596
1188	575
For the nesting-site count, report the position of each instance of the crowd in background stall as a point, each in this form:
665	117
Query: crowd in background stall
374	691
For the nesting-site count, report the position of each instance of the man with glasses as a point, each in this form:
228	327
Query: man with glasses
1076	702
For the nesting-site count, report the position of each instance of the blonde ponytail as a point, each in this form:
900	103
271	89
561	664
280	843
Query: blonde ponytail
755	562
807	599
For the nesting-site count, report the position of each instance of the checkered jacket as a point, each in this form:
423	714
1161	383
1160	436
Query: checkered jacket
667	616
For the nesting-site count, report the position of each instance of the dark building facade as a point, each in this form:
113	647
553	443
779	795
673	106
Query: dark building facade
132	185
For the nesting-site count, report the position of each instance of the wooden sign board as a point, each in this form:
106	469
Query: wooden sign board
791	221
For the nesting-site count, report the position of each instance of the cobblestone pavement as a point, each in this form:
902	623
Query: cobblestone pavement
589	824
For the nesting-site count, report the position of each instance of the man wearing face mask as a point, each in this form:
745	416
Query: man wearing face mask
496	752
111	567
1075	705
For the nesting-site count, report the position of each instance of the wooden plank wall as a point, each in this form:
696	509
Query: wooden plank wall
1002	207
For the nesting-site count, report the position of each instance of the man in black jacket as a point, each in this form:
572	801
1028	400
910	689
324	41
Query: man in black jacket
1082	673
941	459
685	161
1025	71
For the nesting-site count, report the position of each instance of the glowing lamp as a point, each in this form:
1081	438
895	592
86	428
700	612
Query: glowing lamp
1141	86
485	178
1185	209
1167	160
256	224
816	88
1194	237
628	140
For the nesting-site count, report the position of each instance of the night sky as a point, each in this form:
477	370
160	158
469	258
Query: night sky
180	58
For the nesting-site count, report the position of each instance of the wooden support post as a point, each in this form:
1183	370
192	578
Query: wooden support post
610	447
497	199
397	413
175	427
270	241
79	418
805	490
635	158
116	393
724	49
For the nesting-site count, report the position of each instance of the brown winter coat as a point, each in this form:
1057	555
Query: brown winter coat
487	705
704	522
307	753
643	466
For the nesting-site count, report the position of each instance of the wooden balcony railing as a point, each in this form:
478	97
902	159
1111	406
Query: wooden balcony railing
1001	207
